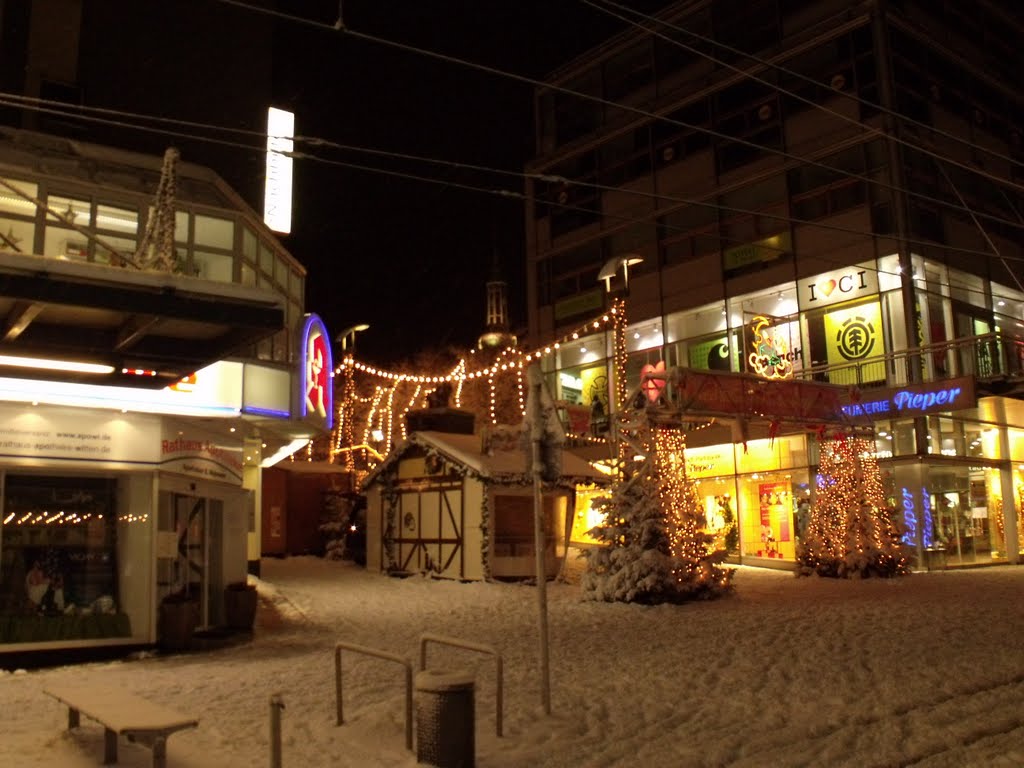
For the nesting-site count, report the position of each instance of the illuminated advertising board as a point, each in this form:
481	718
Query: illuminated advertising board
277	200
858	281
316	395
915	399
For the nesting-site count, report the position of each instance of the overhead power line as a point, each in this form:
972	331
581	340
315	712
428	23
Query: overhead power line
596	4
632	109
36	104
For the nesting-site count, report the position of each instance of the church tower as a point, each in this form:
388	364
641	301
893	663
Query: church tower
497	335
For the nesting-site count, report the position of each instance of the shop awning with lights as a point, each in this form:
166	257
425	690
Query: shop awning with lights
118	326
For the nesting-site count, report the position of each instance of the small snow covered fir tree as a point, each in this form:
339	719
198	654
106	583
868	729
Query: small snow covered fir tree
654	547
851	533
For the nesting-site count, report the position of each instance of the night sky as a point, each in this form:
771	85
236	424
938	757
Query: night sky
408	257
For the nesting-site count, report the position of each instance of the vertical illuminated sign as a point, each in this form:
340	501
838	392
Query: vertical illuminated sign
910	521
317	394
277	201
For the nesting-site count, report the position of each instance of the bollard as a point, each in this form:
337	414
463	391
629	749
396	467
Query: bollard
445	722
276	705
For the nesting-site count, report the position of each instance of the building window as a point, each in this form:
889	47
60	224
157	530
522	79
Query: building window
59	560
215	232
11	202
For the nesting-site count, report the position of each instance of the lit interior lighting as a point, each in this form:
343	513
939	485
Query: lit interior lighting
54	365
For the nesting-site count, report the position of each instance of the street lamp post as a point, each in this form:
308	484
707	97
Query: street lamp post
618	363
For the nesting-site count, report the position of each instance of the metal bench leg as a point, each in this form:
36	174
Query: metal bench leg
73	718
159	751
109	746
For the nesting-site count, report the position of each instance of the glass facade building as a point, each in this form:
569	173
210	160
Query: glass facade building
837	184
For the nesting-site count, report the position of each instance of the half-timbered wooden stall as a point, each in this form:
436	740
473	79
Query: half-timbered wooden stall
461	506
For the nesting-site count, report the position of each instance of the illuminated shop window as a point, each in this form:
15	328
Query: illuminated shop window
59	560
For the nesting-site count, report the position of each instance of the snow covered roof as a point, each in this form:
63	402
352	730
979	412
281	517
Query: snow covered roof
498	463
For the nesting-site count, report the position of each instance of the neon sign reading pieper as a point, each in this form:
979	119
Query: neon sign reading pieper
906	400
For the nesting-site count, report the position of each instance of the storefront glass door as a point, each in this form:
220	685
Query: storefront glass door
192	566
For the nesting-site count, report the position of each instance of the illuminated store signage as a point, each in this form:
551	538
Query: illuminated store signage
910	519
839	285
772	357
317	393
77	434
277	201
919	400
855	334
200	456
711	355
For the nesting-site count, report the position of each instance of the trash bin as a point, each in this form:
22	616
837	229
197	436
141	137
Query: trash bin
445	719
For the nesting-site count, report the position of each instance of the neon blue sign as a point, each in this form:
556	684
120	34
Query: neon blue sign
911	401
926	505
910	518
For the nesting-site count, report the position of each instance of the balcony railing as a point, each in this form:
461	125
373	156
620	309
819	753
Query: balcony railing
990	357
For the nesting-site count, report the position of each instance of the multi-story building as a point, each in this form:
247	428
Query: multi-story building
142	388
148	59
172	467
824	190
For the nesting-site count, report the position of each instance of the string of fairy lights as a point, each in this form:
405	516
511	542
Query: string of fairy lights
386	404
848	528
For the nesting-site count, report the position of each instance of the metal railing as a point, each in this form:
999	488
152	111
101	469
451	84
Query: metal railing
987	357
479	647
380	655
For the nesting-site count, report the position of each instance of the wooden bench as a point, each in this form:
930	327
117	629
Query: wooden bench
122	713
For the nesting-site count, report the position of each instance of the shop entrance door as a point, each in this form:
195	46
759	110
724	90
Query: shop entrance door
195	566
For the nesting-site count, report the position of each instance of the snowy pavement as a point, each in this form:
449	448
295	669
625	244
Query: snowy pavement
924	671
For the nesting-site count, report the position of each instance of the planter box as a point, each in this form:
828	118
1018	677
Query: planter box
240	606
177	623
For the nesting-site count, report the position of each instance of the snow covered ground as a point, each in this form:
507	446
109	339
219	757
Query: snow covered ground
926	670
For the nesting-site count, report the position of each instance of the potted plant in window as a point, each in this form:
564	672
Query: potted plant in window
178	619
240	605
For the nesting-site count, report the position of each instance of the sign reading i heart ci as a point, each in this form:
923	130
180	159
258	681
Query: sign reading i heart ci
857	281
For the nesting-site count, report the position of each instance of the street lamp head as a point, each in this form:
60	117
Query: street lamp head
612	266
351	330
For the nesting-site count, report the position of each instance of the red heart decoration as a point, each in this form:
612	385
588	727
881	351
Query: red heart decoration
827	287
653	387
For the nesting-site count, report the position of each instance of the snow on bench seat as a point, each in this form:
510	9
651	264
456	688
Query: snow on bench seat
122	713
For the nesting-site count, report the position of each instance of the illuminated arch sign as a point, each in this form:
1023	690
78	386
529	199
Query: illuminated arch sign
916	400
316	395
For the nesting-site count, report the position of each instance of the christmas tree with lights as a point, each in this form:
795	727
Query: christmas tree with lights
851	533
655	548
